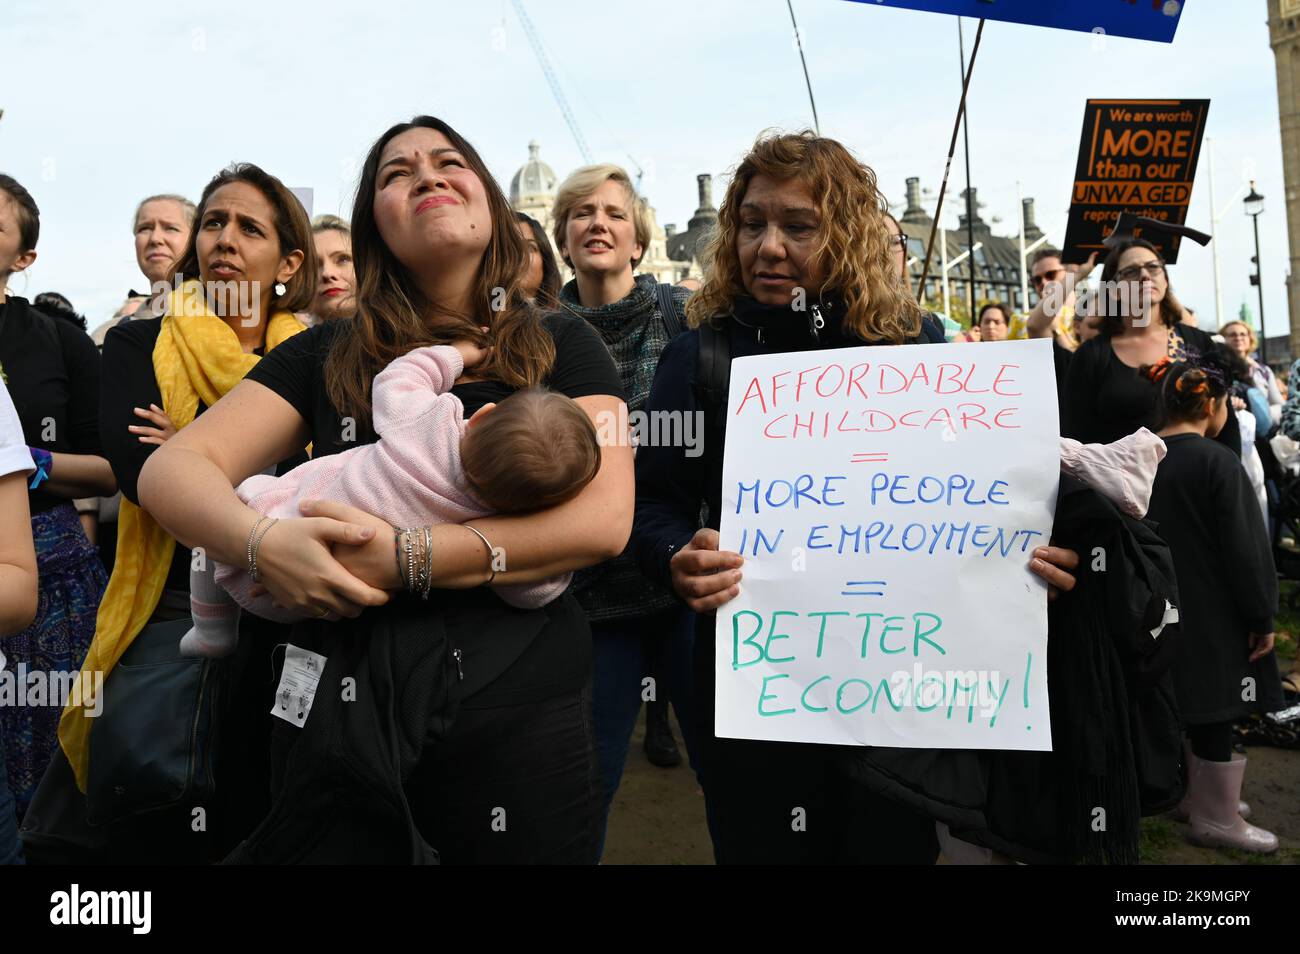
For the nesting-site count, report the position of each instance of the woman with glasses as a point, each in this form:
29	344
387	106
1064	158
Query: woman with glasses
1105	397
897	246
1240	337
898	249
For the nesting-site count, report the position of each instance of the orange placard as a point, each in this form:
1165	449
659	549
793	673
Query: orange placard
1139	156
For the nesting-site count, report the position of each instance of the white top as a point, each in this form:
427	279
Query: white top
15	458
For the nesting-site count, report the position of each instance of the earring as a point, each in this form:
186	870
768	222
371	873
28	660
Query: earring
279	289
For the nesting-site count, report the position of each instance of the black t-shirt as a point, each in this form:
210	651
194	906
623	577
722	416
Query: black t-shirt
1061	360
1106	400
509	655
128	382
52	371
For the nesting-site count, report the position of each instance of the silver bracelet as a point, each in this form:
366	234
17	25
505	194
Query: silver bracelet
414	558
491	551
252	533
397	549
428	562
252	559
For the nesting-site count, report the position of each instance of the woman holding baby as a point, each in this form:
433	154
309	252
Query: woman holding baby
438	261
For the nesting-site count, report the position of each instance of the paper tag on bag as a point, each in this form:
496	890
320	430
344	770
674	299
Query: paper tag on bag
297	688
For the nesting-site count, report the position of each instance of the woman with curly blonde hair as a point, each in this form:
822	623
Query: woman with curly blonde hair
838	246
801	260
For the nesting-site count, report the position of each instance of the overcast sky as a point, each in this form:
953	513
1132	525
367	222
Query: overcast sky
107	102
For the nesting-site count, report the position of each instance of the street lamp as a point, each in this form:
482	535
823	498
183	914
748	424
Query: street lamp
1254	203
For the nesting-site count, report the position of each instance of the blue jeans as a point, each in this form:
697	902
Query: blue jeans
620	667
11	850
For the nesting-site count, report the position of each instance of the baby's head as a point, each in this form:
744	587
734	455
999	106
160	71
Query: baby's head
535	449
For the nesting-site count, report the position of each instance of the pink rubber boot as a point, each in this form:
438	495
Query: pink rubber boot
1184	810
1215	822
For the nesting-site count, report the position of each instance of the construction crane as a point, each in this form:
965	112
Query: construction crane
556	91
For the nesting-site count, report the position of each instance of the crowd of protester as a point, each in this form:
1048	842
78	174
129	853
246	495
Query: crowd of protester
377	437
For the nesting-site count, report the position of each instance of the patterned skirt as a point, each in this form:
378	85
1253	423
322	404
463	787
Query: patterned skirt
72	581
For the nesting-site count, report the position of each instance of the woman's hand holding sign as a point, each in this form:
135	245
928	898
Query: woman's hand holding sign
1054	565
704	576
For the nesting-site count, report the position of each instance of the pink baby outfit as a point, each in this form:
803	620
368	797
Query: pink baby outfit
411	476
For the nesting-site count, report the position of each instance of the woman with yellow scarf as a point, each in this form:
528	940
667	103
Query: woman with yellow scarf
248	266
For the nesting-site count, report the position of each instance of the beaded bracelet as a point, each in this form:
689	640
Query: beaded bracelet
401	541
414	550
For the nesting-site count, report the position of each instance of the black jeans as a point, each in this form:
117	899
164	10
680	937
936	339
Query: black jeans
512	784
1212	742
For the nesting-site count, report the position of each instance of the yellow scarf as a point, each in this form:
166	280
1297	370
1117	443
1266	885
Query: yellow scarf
197	357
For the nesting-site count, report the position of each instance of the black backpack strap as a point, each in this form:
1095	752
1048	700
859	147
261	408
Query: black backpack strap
713	373
668	310
712	384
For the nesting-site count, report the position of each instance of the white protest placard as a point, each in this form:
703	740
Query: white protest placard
305	195
887	502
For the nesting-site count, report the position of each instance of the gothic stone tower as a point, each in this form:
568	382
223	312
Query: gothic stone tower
1284	37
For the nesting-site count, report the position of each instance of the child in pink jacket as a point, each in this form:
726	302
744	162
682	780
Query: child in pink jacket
535	449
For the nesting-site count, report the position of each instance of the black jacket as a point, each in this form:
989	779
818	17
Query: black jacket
337	782
1206	511
1115	728
51	369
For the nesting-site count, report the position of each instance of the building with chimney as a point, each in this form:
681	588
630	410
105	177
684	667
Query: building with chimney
689	244
996	262
675	254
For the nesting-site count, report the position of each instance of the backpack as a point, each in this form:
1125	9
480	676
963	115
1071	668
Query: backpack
668	310
337	780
